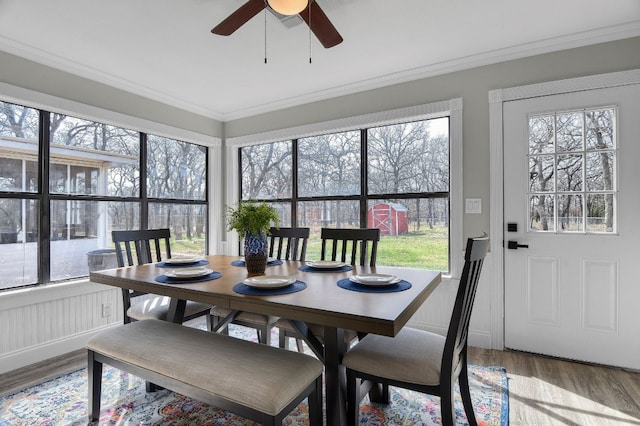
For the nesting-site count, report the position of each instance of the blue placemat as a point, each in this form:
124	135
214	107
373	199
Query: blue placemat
182	265
273	262
242	288
347	284
166	280
305	268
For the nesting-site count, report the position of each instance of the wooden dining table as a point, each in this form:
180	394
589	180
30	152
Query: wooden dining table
322	302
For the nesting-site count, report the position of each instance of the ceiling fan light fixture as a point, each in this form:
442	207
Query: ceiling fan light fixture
288	7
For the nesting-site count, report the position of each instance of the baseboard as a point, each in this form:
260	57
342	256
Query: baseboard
33	354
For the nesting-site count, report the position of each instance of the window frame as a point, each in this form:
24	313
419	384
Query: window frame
451	108
46	105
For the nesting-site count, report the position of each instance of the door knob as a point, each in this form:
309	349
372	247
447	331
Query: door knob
513	245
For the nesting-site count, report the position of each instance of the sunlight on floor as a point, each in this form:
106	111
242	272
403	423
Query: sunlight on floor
560	406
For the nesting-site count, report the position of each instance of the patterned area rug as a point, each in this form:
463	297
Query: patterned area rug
63	401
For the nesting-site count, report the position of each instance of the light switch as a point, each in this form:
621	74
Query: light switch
473	205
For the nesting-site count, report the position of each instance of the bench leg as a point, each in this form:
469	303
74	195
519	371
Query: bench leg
94	373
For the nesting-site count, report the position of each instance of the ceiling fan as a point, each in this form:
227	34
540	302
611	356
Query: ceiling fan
312	14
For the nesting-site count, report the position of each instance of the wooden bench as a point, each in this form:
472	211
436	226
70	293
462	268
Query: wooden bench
255	381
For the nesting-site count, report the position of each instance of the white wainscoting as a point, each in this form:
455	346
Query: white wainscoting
435	313
42	322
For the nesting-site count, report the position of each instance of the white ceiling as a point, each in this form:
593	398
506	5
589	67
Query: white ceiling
164	50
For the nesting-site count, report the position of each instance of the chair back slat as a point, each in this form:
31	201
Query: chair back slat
292	240
357	241
137	245
456	343
146	244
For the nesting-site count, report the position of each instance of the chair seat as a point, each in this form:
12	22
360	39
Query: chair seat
413	356
158	307
317	330
245	317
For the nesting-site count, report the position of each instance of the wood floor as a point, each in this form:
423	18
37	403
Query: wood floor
542	390
548	391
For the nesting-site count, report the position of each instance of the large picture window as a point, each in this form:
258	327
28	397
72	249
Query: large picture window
393	177
97	178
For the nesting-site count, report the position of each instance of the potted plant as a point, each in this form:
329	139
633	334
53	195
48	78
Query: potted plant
252	221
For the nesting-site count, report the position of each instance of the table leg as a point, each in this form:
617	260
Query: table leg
335	379
176	310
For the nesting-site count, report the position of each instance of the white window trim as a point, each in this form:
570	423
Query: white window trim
497	98
451	108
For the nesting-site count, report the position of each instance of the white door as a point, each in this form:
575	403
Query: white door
572	189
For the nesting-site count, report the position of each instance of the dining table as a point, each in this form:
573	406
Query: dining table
325	297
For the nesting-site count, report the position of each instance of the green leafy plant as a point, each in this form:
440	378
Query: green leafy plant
252	218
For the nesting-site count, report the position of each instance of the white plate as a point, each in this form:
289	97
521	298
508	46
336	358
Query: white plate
375	279
269	281
325	264
182	260
188	273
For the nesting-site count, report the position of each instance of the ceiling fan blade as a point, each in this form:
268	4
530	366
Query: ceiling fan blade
321	25
239	17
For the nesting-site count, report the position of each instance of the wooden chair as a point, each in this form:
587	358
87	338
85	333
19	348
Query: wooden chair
292	240
420	360
147	246
351	241
284	244
357	243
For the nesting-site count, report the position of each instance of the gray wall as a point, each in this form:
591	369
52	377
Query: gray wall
473	86
34	76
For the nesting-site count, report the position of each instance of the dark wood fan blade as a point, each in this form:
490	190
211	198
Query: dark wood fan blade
321	25
239	17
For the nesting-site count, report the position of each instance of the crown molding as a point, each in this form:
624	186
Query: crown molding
586	38
43	57
487	58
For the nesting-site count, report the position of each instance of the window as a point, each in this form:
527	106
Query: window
393	177
572	157
95	184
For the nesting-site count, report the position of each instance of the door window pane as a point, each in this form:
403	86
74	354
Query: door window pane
570	213
329	165
599	212
570	172
93	158
579	167
541	134
600	125
541	212
569	136
176	169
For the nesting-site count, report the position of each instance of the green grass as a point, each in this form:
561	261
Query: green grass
194	247
424	249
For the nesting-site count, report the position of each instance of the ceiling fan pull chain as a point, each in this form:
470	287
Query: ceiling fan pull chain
309	8
265	31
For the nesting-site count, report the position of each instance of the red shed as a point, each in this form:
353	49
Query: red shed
391	219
